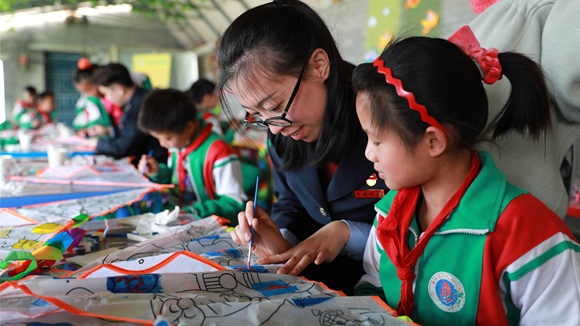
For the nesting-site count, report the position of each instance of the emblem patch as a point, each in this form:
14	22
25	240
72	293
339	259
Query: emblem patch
372	180
447	292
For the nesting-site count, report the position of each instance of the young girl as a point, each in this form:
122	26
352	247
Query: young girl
92	118
456	244
25	112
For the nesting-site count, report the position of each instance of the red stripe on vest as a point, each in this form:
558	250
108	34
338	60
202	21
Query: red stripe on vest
525	223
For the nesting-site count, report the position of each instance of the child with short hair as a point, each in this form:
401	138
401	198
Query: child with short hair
25	112
46	107
454	243
206	100
204	168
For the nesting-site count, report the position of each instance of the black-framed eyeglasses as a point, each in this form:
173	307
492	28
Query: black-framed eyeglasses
279	121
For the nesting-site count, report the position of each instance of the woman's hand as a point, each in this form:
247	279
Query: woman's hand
321	247
268	240
148	165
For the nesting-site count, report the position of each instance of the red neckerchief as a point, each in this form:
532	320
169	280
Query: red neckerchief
26	105
182	154
45	115
392	233
115	111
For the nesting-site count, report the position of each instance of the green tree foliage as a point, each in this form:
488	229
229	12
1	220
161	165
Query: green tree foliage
169	9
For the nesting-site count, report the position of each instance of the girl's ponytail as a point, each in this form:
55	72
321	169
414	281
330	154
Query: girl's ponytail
527	109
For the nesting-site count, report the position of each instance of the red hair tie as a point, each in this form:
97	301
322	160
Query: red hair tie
83	64
380	64
486	59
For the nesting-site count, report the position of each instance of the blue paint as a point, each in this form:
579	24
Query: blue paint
253	268
206	237
161	323
307	302
277	287
147	283
40	303
232	253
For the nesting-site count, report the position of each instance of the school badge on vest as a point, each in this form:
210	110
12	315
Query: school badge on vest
370	193
447	292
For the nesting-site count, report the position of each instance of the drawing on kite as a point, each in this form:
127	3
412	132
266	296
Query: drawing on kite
4	232
46	228
25	244
335	317
145	283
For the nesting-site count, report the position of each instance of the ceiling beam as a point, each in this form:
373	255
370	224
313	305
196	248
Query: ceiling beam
221	10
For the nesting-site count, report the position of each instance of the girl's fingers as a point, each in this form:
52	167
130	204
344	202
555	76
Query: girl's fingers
235	238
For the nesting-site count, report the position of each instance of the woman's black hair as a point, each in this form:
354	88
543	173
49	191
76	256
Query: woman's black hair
449	84
277	39
166	110
84	74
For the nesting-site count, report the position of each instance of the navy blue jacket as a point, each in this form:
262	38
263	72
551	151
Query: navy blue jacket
128	139
303	207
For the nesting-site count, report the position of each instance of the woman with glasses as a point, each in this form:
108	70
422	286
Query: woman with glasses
283	64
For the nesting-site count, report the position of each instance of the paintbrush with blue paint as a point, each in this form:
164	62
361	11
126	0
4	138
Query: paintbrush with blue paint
145	166
252	232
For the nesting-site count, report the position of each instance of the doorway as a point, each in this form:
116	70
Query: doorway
60	68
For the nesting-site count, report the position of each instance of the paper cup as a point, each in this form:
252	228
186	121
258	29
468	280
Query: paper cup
56	156
5	165
25	141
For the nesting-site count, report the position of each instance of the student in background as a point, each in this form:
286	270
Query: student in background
206	100
115	83
454	242
25	112
28	101
91	117
46	107
204	168
141	80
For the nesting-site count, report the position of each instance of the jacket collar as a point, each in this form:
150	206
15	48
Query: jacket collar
352	171
135	100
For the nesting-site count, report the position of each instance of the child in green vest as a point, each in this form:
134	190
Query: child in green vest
206	100
91	117
453	242
205	170
46	107
27	102
25	113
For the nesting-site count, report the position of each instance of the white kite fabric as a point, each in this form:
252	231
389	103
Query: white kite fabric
192	274
91	206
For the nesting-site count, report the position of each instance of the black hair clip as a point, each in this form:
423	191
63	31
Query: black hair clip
281	3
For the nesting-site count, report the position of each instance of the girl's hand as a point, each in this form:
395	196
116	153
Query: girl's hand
82	133
268	240
321	247
148	165
98	130
90	142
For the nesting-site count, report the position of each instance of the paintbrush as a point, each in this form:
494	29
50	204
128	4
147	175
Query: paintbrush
252	232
